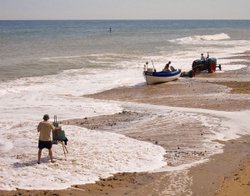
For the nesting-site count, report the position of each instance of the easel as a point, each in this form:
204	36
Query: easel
59	137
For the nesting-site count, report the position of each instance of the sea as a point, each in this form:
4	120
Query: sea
46	67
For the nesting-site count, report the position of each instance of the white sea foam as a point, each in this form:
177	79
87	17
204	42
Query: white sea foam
223	125
230	67
25	101
231	125
61	57
92	155
218	45
201	38
5	146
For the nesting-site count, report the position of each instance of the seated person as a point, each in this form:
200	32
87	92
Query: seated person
166	68
172	69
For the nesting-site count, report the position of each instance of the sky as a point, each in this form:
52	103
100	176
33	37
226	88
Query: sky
123	9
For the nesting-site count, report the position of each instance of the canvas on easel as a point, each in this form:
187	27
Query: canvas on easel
59	136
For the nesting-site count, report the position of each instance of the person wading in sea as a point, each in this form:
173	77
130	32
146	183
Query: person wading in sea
45	128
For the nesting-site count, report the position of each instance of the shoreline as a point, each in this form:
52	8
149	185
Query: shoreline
184	93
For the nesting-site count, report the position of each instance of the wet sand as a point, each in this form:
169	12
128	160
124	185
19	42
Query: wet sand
224	174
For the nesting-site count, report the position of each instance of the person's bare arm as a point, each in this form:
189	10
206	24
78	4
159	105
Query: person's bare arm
38	128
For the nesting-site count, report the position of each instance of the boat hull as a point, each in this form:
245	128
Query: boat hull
161	77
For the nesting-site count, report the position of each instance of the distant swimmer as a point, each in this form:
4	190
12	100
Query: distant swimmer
110	29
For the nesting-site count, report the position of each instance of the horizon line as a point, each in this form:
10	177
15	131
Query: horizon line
113	19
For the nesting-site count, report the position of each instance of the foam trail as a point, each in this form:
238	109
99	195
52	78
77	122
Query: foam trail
201	38
234	124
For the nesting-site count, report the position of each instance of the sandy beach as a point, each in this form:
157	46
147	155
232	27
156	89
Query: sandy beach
226	173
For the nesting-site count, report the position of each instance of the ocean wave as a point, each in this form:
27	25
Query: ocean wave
200	38
61	57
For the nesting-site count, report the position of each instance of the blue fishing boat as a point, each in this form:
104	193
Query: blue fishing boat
153	77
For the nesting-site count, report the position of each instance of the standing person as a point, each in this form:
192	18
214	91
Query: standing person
202	57
146	66
207	55
45	128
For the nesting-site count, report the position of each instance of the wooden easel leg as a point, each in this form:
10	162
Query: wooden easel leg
65	147
64	150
